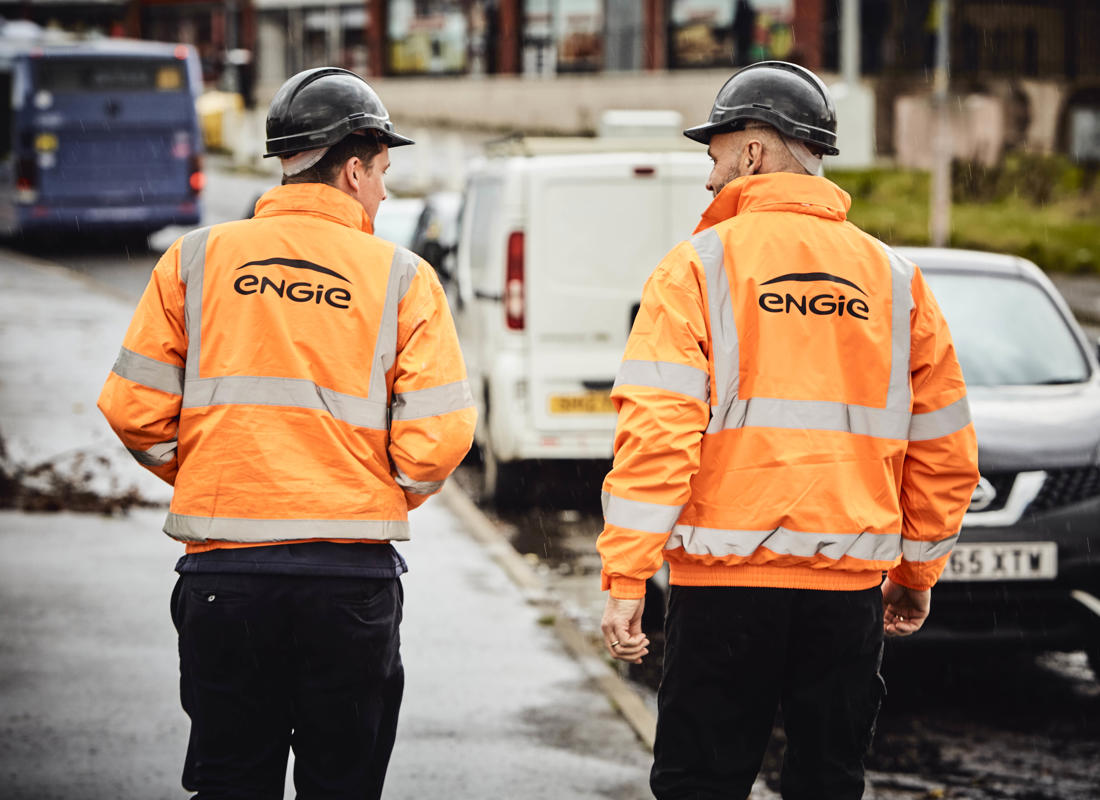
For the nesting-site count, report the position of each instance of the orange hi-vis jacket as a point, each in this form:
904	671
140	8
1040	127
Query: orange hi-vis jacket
791	410
293	376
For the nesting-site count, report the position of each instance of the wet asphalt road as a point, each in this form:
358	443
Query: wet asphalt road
954	725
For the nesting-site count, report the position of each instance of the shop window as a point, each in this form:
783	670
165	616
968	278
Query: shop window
539	52
878	46
722	33
625	35
579	32
562	36
427	37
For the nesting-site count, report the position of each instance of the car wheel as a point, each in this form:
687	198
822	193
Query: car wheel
503	483
490	471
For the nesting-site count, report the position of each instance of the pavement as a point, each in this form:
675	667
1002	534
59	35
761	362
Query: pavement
503	697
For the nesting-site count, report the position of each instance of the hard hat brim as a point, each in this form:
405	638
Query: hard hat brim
703	133
289	145
391	139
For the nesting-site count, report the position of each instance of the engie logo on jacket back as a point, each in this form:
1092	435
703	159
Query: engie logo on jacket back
296	291
822	305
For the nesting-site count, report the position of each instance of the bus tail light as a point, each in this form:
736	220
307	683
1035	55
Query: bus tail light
513	283
26	180
198	179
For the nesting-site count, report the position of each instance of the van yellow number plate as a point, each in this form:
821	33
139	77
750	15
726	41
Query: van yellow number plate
588	403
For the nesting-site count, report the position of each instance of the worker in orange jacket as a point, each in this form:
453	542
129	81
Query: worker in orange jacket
793	426
300	384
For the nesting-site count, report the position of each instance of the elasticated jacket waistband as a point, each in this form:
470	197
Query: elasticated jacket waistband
685	574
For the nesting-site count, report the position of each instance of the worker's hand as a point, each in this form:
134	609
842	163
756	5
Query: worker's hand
904	610
622	629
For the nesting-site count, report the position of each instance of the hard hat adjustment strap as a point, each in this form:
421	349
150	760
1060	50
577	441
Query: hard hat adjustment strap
300	162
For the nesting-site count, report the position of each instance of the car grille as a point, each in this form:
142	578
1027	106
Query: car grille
1002	485
1065	486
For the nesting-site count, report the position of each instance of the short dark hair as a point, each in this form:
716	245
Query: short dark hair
354	145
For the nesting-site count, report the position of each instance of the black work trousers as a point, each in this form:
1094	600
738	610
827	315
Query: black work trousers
735	655
272	662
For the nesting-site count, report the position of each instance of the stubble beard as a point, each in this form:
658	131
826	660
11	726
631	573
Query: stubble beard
732	175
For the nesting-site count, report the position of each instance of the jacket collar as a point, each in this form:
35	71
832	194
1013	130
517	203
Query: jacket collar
315	199
777	191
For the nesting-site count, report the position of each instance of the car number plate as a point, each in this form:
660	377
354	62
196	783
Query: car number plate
587	403
990	561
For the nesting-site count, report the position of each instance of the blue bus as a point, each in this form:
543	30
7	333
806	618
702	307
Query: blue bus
97	135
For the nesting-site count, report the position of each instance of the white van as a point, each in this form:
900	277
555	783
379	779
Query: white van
557	239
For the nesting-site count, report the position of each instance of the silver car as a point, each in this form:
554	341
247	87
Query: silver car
1026	571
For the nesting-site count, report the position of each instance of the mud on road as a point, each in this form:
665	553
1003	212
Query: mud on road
70	482
955	724
992	725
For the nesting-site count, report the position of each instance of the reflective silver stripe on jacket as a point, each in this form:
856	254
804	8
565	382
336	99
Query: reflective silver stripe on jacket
431	402
941	422
725	347
402	272
822	415
899	396
149	372
639	516
417	487
914	551
667	376
291	392
729	411
200	529
156	456
782	541
192	273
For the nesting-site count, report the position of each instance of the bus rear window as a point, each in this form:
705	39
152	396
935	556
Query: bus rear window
110	75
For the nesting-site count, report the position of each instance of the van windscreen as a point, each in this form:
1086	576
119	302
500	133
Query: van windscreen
111	75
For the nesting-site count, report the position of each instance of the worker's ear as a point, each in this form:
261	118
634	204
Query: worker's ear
353	172
752	157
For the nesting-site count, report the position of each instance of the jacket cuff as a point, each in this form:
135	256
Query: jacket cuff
413	500
907	578
623	588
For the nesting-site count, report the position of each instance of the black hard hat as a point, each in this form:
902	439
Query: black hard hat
786	96
319	107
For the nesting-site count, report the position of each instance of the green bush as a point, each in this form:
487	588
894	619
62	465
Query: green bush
1039	179
1043	208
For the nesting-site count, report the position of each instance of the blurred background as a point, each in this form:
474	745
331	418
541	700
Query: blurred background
1020	110
971	124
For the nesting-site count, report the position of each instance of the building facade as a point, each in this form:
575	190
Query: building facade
1031	64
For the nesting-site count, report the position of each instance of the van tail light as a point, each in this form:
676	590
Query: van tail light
513	283
26	180
198	179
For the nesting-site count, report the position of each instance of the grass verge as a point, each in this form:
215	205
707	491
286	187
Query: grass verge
1061	234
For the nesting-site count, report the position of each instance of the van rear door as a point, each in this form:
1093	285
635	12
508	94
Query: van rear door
599	225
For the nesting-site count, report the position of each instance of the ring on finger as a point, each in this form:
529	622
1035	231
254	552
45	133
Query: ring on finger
614	643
